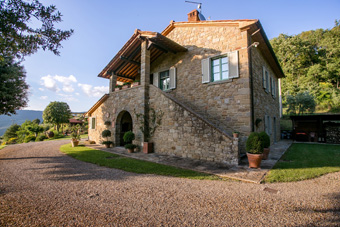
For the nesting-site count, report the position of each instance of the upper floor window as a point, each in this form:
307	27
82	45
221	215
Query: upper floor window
219	68
164	80
266	80
93	123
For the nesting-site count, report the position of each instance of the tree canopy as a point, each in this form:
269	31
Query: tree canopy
19	38
311	62
57	113
13	87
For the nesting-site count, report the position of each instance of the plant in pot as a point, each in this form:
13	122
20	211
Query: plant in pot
254	147
126	85
128	138
135	83
75	137
107	123
118	87
266	144
106	134
236	134
148	127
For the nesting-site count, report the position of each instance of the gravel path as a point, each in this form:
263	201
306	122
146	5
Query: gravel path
42	187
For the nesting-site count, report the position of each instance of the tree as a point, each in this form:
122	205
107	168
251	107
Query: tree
18	39
36	121
11	132
300	103
57	113
13	88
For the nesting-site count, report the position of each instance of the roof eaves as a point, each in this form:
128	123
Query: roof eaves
97	104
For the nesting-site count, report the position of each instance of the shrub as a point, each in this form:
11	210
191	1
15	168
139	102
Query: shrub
265	139
106	142
40	138
29	138
107	123
106	133
12	141
128	137
130	146
50	134
254	144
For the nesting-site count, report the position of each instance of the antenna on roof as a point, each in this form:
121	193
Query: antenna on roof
199	4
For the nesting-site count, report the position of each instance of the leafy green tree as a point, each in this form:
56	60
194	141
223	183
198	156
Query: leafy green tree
19	38
11	132
13	87
35	129
36	121
57	113
311	62
301	103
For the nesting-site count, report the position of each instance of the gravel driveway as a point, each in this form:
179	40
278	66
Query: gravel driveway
42	187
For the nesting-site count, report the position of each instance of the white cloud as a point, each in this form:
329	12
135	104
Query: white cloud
91	91
41	89
77	94
50	83
43	97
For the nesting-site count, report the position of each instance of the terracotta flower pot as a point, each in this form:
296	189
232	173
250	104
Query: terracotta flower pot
134	84
147	147
235	135
130	150
118	88
265	153
254	160
74	143
107	145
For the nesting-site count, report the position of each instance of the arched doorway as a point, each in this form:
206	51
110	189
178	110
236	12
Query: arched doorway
123	125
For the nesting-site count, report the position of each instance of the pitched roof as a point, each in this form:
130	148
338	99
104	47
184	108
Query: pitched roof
97	104
126	63
253	27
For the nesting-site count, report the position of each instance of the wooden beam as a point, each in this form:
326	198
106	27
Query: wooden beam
162	47
157	47
133	54
129	60
124	77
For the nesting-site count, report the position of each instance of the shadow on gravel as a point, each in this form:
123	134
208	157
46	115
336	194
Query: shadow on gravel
64	168
332	213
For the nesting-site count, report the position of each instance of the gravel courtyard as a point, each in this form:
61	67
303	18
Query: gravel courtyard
40	186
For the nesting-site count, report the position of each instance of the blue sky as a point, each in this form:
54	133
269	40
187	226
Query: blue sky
103	26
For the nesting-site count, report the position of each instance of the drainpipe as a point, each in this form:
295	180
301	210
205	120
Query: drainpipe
251	85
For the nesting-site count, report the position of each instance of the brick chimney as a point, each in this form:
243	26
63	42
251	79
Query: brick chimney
193	16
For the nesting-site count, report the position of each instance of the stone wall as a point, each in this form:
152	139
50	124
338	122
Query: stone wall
265	103
183	133
225	104
112	109
332	133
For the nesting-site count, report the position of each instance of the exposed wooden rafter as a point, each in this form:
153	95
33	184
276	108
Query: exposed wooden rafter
129	60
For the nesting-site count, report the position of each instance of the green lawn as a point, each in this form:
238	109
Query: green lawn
305	161
110	160
84	136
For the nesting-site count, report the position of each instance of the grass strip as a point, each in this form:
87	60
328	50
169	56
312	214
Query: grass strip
305	161
110	160
2	146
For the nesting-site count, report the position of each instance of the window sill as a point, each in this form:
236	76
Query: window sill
221	82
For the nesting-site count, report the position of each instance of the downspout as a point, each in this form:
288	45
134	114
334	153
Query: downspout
251	84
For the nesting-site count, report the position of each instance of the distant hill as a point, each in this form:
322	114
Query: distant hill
19	118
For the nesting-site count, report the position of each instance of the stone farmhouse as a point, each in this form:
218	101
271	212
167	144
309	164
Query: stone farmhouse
208	78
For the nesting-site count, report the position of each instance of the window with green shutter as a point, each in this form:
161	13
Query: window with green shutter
164	80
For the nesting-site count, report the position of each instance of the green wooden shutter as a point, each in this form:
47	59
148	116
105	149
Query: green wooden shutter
233	64
205	70
264	77
172	76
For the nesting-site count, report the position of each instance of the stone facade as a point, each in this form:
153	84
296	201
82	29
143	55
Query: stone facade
199	118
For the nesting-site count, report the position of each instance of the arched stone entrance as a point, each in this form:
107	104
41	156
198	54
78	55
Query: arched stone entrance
123	125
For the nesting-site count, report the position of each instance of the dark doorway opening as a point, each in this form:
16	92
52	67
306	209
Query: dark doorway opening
124	124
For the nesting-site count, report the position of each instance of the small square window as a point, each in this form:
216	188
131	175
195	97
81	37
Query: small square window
220	68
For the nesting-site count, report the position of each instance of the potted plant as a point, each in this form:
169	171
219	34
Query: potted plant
106	134
118	87
266	144
126	85
235	134
75	137
128	138
135	83
107	123
254	147
148	127
130	147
